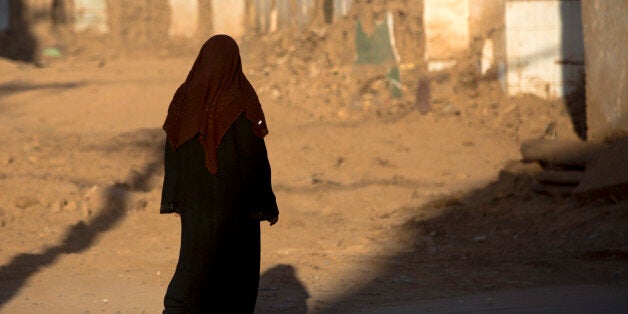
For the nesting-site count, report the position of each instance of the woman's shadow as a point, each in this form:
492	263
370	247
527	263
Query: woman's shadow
280	291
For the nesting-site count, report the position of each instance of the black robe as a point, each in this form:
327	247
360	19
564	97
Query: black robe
219	259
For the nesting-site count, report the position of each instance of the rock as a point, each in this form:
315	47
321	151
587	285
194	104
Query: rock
7	160
71	206
275	94
86	211
57	207
90	192
141	204
328	211
314	70
23	202
32	159
450	110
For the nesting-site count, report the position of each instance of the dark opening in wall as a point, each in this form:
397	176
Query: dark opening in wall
328	11
17	42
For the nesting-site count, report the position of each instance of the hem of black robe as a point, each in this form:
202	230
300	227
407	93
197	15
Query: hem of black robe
169	208
261	216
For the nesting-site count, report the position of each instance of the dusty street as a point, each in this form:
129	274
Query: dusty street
379	205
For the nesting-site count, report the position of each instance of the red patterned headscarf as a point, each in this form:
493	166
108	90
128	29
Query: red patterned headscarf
214	94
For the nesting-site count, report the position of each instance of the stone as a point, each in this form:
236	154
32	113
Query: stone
23	202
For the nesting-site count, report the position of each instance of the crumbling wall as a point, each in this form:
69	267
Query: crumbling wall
230	19
4	15
487	30
26	23
446	29
110	25
407	21
138	22
606	63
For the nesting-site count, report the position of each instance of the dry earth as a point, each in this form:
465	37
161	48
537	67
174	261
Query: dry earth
380	205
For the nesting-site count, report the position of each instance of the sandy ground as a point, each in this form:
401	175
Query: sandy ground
380	205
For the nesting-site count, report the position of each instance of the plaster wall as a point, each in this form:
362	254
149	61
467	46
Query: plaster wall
606	45
543	47
229	17
4	15
446	25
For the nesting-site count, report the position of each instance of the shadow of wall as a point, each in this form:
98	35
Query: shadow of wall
503	236
83	234
572	40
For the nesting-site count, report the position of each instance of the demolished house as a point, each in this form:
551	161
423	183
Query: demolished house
554	49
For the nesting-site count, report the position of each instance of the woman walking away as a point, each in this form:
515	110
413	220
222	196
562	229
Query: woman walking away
218	180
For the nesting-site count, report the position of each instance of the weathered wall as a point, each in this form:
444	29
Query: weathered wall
606	45
230	19
110	25
407	24
135	22
4	15
446	28
184	18
543	47
270	15
90	15
487	32
28	28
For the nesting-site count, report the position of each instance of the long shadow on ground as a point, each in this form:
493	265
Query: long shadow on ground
18	87
504	236
82	235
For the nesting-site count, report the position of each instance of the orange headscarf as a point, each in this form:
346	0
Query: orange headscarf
214	94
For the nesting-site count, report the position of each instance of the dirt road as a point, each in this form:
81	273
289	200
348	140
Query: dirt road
377	210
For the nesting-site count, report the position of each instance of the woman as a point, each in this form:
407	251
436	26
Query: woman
218	179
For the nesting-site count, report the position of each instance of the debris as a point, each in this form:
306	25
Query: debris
450	110
90	191
23	202
554	190
560	177
71	206
560	152
8	160
52	52
57	207
422	102
393	77
86	211
378	47
606	177
141	204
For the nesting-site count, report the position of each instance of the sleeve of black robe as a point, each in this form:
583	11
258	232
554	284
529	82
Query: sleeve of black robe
169	202
255	171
